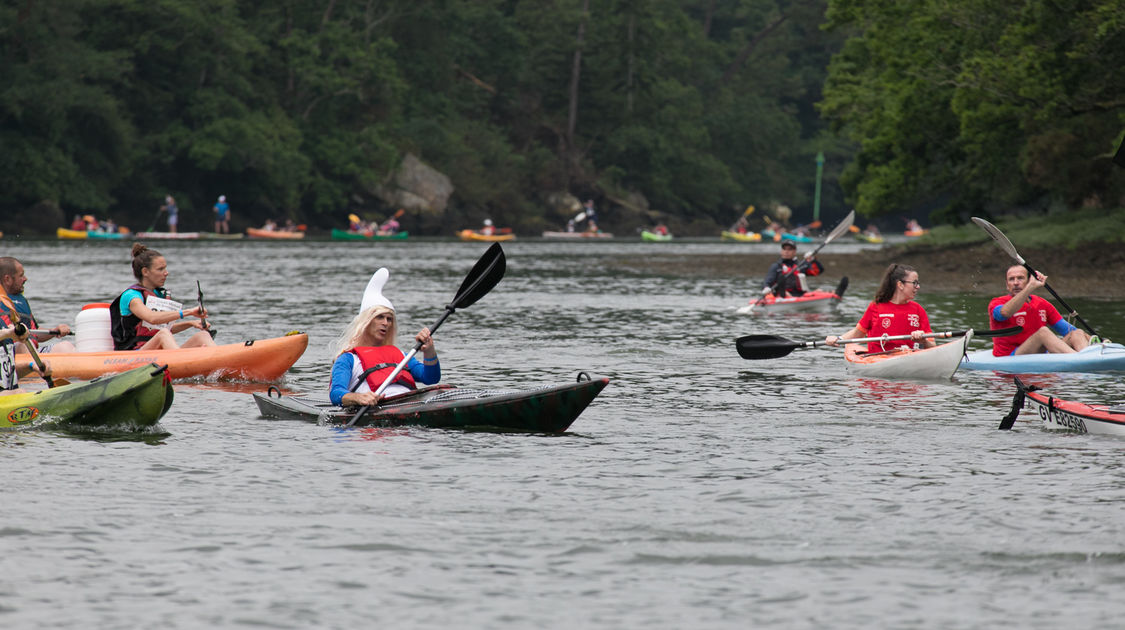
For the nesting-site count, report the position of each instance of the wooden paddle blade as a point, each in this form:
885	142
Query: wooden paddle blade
482	277
757	347
1000	239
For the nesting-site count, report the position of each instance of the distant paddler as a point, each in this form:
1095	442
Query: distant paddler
144	318
786	276
366	354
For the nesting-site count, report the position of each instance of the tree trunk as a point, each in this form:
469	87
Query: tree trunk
575	72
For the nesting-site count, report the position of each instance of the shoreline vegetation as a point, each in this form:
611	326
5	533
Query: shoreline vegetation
1082	253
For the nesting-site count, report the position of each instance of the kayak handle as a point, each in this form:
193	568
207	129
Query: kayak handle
581	374
273	390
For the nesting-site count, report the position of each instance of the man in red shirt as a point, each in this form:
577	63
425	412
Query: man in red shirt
1042	324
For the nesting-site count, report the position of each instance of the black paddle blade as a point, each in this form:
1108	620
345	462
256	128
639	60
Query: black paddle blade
1017	404
756	347
999	332
482	277
843	286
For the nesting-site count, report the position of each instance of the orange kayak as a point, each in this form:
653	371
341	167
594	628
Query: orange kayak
255	360
470	235
260	233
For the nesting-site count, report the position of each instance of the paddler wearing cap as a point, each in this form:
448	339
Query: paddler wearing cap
366	354
786	277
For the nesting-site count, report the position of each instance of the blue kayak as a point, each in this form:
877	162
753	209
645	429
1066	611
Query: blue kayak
1099	357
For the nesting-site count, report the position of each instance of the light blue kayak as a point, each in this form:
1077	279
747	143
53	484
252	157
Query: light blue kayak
1100	357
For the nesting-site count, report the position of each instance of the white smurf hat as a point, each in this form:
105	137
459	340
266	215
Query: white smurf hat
373	294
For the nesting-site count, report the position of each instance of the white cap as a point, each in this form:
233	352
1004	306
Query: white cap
222	197
373	294
488	221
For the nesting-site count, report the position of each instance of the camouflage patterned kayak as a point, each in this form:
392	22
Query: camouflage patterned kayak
548	409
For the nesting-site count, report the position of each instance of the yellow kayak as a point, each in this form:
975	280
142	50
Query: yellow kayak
470	235
133	399
749	237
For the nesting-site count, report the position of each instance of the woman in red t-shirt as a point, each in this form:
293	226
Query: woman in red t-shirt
894	312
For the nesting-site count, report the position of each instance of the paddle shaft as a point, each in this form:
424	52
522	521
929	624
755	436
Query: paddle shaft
202	319
31	349
1088	327
758	347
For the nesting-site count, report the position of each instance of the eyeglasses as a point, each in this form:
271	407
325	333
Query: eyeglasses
914	282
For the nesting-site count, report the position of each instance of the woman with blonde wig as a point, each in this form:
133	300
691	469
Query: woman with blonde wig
366	355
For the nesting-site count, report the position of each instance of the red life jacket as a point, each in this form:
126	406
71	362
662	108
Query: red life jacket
129	331
383	359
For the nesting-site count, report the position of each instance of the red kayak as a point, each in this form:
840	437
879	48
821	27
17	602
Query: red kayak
810	301
1065	415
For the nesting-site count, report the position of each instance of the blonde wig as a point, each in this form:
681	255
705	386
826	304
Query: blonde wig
355	335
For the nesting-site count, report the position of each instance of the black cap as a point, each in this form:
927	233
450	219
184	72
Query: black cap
788	243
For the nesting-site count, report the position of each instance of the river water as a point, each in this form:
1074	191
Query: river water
698	490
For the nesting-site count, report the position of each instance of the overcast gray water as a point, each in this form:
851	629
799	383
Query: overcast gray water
699	490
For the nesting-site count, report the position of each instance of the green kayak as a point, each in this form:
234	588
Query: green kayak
126	401
548	409
653	237
344	235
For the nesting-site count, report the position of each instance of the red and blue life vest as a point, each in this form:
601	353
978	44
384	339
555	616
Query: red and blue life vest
382	361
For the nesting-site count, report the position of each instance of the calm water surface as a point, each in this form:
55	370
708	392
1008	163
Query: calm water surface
699	490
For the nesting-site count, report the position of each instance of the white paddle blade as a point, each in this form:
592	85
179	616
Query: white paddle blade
1000	239
841	228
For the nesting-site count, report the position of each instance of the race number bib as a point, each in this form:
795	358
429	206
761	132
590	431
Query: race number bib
161	304
7	365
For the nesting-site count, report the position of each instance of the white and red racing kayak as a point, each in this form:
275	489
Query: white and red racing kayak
1066	415
939	362
811	301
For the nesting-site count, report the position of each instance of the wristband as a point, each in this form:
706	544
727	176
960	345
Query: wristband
181	313
31	365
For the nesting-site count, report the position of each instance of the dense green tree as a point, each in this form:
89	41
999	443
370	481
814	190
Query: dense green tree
977	104
302	109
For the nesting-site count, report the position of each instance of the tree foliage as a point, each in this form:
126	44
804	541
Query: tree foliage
979	104
298	109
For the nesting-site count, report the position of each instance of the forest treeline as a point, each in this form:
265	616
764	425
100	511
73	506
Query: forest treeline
302	110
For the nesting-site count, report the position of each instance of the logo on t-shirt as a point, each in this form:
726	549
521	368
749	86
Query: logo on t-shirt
913	319
886	322
1043	315
1020	321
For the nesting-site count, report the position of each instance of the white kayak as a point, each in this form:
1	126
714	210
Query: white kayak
1099	357
939	362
